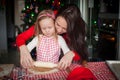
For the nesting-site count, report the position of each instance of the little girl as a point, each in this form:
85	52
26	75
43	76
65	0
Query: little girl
46	41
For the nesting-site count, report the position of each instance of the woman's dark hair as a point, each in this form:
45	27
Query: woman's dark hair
76	30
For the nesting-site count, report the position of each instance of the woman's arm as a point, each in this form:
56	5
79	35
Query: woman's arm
25	57
26	60
24	36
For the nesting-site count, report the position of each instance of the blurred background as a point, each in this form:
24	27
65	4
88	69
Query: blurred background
102	18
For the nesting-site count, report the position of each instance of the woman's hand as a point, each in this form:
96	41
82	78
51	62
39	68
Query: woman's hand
26	60
66	60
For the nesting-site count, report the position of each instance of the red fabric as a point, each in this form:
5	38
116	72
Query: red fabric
76	57
81	73
101	70
26	35
27	74
55	12
66	38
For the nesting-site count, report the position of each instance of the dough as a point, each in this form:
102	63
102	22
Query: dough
43	67
44	64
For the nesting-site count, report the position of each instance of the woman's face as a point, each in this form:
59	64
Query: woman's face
61	25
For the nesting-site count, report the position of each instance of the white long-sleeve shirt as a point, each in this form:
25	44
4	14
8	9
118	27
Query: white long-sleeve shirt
61	42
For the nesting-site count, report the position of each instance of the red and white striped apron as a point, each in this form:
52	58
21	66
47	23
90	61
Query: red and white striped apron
48	50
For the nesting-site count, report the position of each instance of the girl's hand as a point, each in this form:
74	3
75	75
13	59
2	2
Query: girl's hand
66	60
26	60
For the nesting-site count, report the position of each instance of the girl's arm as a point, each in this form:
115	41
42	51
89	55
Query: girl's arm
32	44
65	48
66	60
26	60
24	36
63	44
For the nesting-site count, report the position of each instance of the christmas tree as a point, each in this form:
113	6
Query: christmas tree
33	7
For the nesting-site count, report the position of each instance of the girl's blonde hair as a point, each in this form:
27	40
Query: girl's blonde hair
42	15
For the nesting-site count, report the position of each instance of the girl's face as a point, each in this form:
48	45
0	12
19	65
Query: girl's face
61	25
47	27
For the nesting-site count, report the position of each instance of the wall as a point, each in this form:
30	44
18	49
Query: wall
83	5
3	32
19	5
118	36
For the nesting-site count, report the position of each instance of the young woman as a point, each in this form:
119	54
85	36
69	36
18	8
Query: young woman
69	23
